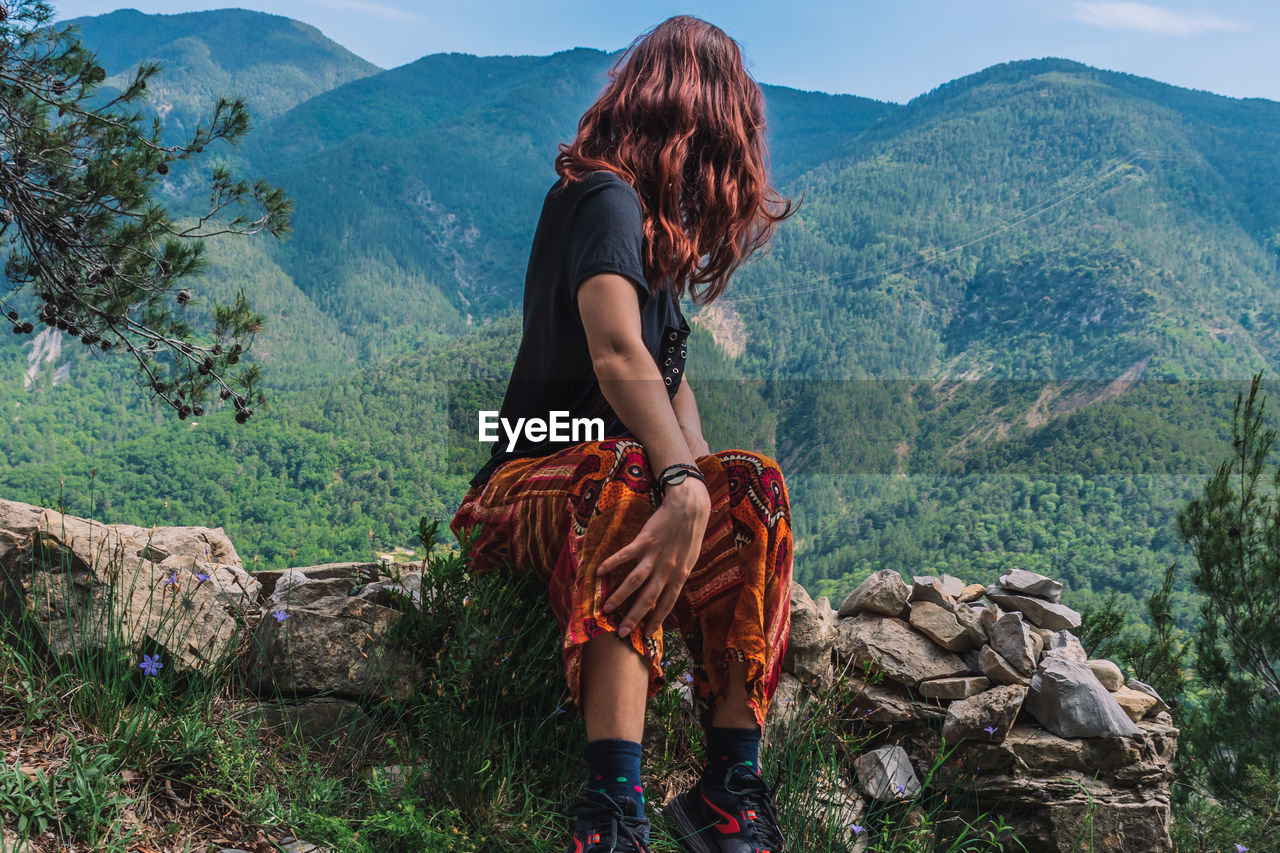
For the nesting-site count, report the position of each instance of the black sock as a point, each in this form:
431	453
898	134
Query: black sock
613	767
727	747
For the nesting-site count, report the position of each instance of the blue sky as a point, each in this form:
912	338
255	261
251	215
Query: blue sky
884	49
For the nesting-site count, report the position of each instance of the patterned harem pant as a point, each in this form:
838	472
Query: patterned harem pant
561	515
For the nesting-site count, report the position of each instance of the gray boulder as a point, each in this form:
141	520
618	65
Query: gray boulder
986	716
1045	614
940	625
1031	583
958	687
1068	700
884	592
1065	644
886	774
993	665
889	644
924	588
1012	638
808	654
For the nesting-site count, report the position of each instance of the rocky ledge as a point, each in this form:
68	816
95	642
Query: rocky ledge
1043	735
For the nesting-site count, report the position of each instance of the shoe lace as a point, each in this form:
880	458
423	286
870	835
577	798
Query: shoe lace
622	827
743	781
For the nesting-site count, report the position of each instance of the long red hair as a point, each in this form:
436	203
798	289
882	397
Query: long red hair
682	121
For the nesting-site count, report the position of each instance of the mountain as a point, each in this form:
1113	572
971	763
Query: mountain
972	348
273	62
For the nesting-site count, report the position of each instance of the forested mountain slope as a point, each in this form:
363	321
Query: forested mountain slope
1087	245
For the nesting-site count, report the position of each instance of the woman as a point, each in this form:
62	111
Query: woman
662	194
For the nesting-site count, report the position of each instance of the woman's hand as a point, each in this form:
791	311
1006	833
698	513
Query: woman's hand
664	553
697	444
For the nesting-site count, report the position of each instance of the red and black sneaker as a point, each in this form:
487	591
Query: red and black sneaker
739	819
607	827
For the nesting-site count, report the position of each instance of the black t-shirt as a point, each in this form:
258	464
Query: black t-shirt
586	228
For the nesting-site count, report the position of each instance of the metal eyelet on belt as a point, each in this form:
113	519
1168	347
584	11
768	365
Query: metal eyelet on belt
673	335
668	380
668	364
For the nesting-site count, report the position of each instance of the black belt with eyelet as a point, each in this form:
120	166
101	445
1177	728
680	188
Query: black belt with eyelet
672	352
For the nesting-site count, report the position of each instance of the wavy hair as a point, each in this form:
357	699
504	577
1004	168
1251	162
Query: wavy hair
681	120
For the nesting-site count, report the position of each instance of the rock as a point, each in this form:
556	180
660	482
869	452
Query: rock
808	655
890	645
89	586
995	667
1013	640
930	589
957	687
334	646
972	592
887	704
886	774
970	620
988	616
972	659
395	592
1068	700
951	585
1150	691
939	625
790	702
1031	583
1045	614
1045	636
1066	645
986	716
884	592
1108	673
1135	703
295	589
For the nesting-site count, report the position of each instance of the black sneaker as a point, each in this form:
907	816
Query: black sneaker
607	827
739	819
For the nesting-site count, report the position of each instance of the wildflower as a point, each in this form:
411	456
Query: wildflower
280	615
173	578
991	730
201	577
1240	848
900	789
688	679
151	664
857	830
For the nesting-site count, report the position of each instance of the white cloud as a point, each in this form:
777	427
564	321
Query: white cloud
375	10
1152	19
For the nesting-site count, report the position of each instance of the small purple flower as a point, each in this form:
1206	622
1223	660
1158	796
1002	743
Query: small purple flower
201	577
280	615
1240	848
991	730
173	578
857	830
900	789
151	664
688	679
560	709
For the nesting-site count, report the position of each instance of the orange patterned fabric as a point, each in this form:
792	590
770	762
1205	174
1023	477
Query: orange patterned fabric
561	515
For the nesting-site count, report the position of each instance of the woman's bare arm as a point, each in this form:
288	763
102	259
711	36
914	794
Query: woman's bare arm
686	408
668	545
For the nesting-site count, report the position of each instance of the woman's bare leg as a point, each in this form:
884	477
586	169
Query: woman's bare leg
734	712
614	686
